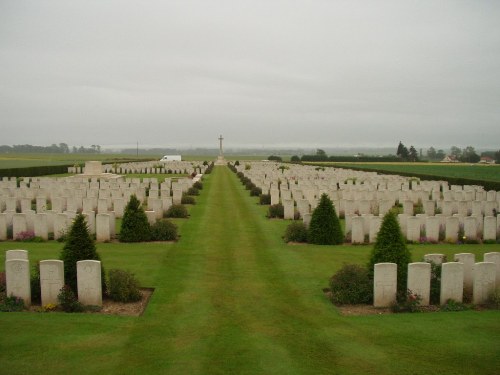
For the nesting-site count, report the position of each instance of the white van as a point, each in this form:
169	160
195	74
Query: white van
171	158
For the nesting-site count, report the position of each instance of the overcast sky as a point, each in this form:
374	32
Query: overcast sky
262	73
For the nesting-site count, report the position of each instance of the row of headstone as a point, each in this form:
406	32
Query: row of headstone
175	167
17	269
41	225
481	278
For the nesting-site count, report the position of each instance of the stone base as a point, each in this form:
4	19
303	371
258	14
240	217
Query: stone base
220	160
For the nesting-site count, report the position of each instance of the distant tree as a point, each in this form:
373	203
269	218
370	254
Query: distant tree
75	150
274	157
320	152
79	246
469	155
431	153
295	159
440	155
456	152
390	247
324	228
413	155
399	151
497	157
135	225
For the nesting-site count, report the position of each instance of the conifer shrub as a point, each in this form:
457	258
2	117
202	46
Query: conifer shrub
264	199
79	246
390	247
123	286
351	285
177	211
276	211
164	230
324	228
135	226
296	232
198	185
36	291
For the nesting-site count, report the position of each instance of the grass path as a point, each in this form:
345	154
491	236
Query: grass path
232	298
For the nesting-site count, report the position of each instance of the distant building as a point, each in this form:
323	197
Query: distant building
450	159
171	158
487	160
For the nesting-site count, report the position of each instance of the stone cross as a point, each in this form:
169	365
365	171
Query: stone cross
220	145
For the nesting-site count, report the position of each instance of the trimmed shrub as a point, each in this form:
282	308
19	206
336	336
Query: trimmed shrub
193	191
68	301
296	232
265	199
123	286
255	191
325	228
351	285
187	199
135	225
390	247
164	230
178	211
12	304
79	246
3	282
276	211
198	185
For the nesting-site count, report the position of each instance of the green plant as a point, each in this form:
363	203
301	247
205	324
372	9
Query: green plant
193	191
407	302
12	304
351	285
178	211
452	305
164	230
3	282
187	199
276	211
265	199
135	226
435	292
123	286
79	246
296	232
255	191
324	228
198	185
68	301
390	247
36	292
494	299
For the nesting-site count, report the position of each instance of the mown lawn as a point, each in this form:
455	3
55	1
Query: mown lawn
232	298
470	171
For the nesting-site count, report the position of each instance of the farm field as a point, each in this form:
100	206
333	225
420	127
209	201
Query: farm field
470	171
232	298
18	160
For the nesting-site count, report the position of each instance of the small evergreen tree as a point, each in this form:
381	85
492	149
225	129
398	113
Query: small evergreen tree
324	228
135	225
390	247
79	246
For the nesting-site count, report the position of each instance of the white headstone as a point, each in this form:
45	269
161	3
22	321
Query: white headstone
89	282
484	282
384	284
452	281
419	280
16	254
468	260
18	279
494	258
51	280
103	231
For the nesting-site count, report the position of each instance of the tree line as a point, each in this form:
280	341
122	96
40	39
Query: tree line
61	148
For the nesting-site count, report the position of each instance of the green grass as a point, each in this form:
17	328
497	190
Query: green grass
470	171
232	298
